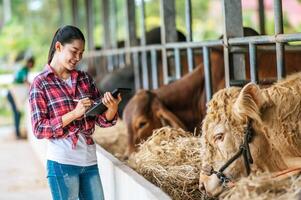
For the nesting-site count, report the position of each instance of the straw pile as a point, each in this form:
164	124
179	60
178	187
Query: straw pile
170	159
112	139
264	187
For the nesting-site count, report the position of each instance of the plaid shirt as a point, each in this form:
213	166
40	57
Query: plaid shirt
50	98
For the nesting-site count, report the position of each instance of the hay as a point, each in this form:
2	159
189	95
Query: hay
264	187
170	159
112	139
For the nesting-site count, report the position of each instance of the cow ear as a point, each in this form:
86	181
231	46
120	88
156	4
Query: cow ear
166	116
249	102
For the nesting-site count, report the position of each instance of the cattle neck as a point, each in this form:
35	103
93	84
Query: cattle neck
244	150
186	87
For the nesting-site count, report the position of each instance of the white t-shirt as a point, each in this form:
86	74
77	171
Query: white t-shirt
60	150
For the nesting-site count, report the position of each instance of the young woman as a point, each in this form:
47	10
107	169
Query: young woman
59	97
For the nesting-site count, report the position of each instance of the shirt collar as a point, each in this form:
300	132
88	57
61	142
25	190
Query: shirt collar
49	70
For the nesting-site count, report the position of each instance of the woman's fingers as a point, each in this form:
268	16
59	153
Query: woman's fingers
109	100
86	103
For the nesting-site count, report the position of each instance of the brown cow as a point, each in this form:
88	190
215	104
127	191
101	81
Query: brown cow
185	98
179	104
262	124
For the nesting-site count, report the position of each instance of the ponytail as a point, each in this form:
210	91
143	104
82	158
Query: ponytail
65	34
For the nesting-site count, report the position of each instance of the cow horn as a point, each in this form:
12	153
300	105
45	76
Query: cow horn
171	119
249	102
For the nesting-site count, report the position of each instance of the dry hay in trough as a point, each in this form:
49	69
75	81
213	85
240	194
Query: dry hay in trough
265	187
170	159
112	139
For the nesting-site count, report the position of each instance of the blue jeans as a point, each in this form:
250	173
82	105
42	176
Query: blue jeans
70	182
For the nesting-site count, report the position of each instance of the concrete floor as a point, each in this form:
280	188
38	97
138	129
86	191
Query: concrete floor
22	175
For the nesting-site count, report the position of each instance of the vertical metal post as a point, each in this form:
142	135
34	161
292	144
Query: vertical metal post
143	53
188	20
60	6
136	71
74	6
130	20
207	73
90	23
178	63
279	46
168	25
154	69
113	25
261	15
105	10
130	12
253	63
234	64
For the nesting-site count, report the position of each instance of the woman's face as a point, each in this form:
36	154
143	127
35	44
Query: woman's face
71	53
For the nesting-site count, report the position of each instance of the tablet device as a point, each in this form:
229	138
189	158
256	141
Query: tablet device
99	107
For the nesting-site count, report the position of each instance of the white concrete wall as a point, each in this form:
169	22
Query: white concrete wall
119	181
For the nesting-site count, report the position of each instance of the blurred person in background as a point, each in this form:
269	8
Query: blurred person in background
18	93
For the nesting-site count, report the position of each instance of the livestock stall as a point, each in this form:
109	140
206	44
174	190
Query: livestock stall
154	64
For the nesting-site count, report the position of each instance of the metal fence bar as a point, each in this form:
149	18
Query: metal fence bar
144	70
188	20
74	7
190	59
207	73
154	69
178	63
105	13
279	46
106	52
269	39
234	63
253	63
261	16
121	60
131	37
110	62
136	71
90	23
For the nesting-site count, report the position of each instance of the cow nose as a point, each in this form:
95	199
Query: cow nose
202	188
207	170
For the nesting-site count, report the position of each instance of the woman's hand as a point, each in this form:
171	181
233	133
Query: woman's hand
82	106
112	104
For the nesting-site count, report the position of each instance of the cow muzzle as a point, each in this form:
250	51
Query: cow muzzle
210	185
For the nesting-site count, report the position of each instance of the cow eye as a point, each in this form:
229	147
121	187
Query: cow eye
218	137
141	124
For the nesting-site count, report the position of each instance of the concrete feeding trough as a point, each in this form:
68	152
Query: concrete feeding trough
120	182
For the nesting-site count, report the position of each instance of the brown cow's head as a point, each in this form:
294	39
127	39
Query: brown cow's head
144	113
223	130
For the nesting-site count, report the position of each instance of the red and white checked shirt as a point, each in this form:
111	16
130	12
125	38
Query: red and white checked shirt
50	98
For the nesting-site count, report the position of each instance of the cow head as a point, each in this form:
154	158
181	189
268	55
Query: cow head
144	113
223	129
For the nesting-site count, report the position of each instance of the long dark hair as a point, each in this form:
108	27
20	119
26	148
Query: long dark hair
64	35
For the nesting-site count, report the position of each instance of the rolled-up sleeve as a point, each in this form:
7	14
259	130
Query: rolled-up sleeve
103	122
43	126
